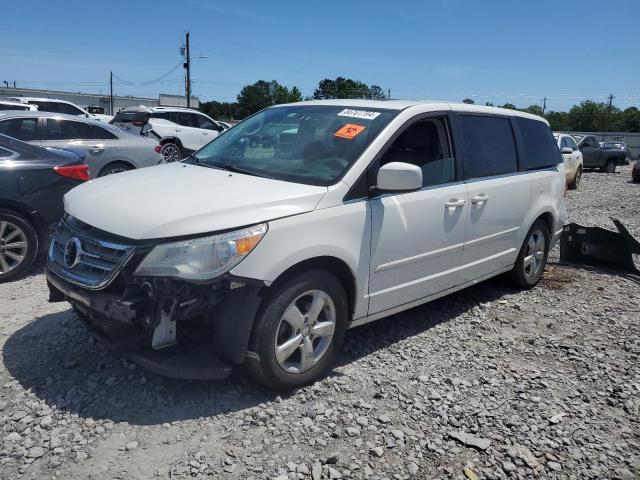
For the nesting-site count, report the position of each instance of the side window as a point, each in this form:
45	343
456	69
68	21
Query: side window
187	119
204	122
4	153
69	109
102	133
425	144
24	129
540	148
489	147
68	130
565	143
572	143
46	106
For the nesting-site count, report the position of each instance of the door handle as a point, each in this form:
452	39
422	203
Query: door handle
178	129
205	133
96	149
481	198
454	203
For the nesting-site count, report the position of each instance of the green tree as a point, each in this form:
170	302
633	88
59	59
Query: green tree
509	106
533	109
262	94
630	120
489	104
341	88
377	93
559	121
587	116
468	101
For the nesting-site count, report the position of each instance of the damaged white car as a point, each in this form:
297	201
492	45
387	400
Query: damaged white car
304	220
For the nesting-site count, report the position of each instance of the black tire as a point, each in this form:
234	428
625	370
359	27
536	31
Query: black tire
635	175
610	166
267	370
15	224
520	274
171	152
575	183
114	167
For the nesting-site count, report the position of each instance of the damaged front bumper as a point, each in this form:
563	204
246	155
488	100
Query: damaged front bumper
172	328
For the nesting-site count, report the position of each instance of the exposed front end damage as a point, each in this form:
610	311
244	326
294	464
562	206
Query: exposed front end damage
172	327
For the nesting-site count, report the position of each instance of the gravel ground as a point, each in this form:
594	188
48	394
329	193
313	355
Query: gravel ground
487	383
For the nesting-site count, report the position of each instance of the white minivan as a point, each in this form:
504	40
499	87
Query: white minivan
302	221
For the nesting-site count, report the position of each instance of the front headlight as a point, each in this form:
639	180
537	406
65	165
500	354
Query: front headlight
201	258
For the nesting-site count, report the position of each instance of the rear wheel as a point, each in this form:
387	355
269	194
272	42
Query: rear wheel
610	166
532	257
575	183
171	152
18	245
299	331
115	167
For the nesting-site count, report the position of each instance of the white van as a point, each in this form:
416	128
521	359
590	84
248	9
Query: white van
300	222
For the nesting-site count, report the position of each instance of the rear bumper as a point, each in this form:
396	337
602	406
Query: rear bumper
206	347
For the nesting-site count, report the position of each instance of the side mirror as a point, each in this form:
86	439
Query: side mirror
399	176
567	150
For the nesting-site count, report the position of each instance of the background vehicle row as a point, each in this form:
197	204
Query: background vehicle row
108	149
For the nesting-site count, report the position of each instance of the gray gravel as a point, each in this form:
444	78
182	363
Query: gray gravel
490	382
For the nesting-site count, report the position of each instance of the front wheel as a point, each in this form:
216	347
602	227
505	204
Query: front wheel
532	257
115	167
299	331
575	183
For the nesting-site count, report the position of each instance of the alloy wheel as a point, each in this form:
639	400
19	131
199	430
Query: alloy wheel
170	153
13	246
534	255
305	331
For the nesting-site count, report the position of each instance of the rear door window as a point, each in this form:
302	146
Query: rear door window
205	123
188	119
170	116
68	130
489	146
540	148
69	109
102	133
24	129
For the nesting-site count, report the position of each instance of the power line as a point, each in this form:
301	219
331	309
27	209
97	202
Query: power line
150	82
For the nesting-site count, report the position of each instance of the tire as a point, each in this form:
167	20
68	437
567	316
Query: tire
575	183
610	166
115	167
526	274
16	259
171	152
296	295
635	176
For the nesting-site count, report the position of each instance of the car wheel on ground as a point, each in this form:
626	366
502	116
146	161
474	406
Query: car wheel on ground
610	166
533	256
115	167
18	245
171	152
299	331
575	183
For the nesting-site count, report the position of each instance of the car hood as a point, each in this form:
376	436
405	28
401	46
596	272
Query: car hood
181	199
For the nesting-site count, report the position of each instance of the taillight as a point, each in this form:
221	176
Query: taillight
77	172
158	148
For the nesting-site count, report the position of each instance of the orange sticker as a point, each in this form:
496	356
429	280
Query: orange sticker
349	131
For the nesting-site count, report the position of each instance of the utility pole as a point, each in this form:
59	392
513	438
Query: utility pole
187	66
110	93
389	94
544	105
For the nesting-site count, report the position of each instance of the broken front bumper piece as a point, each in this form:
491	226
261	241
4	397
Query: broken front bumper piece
179	331
595	245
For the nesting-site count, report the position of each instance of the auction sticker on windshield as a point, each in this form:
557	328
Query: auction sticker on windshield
347	112
349	131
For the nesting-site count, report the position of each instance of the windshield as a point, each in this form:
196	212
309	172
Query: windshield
308	144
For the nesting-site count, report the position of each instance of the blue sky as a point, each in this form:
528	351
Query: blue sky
490	50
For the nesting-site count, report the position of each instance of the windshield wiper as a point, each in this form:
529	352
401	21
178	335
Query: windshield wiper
232	167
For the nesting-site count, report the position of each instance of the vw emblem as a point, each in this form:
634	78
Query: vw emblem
72	251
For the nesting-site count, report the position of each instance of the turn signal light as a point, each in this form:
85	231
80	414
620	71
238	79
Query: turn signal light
77	172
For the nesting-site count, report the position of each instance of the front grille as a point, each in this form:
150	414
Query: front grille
92	258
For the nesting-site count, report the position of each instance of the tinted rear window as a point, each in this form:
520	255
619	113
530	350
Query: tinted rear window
489	147
540	148
128	117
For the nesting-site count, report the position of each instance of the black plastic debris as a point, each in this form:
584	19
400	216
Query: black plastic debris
595	245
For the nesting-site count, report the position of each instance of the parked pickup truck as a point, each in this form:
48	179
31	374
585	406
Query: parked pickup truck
594	156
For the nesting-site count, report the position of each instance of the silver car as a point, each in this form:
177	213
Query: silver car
108	149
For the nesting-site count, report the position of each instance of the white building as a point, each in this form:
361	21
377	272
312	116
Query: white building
99	103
